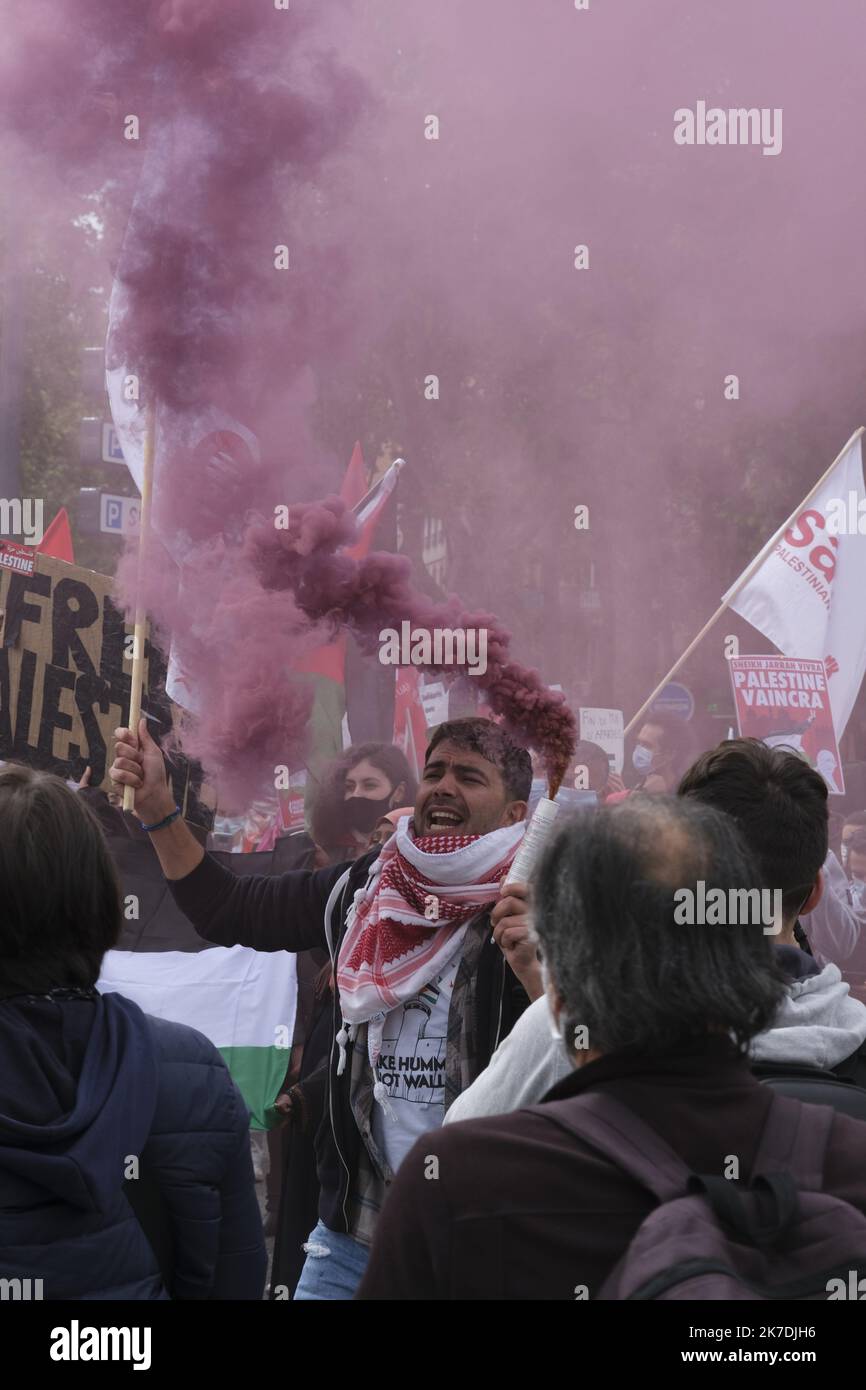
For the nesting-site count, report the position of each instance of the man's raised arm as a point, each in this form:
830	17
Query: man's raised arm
284	912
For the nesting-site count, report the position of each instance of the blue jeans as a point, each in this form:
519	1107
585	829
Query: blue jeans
334	1265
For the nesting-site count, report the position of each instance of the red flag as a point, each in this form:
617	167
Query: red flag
410	725
355	481
57	540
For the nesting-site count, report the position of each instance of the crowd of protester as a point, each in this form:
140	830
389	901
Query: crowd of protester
476	1063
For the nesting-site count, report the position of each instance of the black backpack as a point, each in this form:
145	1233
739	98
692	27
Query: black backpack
838	1088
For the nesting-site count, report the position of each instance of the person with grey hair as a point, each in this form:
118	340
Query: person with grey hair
656	1016
779	803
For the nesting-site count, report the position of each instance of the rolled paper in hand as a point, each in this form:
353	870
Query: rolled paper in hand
533	842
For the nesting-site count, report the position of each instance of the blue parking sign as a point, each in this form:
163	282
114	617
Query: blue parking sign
111	450
119	516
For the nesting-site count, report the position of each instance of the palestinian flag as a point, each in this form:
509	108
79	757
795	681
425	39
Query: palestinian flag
244	1001
410	723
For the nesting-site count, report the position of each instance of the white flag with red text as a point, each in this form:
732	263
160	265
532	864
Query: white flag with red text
809	595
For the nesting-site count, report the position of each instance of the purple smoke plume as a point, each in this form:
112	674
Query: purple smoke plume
456	256
243	107
374	593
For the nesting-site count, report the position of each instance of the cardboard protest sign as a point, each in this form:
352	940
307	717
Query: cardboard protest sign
784	701
64	683
604	727
65	676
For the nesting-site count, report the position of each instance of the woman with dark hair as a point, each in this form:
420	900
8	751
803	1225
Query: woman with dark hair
356	791
125	1168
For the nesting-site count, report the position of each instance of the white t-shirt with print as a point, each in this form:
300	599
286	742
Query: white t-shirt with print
412	1066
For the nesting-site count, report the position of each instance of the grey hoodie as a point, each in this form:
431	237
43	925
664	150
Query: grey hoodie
818	1024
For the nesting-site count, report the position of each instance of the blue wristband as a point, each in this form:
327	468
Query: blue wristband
167	820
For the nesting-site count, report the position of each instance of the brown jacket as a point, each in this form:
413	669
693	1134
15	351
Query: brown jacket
513	1207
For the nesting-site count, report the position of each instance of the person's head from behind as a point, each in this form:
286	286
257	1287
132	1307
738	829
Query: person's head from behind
60	896
591	767
624	976
780	804
475	779
853	824
358	788
663	750
857	857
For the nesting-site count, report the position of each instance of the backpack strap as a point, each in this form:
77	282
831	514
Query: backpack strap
759	1216
621	1136
795	1141
852	1069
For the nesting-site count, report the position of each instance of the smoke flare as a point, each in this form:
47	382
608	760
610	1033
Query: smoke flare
367	595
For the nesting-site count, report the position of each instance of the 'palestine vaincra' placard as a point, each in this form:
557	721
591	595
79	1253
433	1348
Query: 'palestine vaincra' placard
783	700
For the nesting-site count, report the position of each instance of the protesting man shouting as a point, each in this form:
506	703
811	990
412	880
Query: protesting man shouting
432	964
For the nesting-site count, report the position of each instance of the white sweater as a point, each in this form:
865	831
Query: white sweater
524	1066
818	1024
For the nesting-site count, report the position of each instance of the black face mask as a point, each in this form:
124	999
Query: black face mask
362	813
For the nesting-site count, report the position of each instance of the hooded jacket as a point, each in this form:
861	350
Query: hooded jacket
93	1092
818	1023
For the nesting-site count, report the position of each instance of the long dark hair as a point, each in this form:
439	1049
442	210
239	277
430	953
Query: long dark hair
325	819
60	895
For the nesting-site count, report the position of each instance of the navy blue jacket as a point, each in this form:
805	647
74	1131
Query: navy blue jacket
88	1086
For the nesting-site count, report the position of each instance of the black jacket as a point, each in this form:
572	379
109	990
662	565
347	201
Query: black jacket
305	909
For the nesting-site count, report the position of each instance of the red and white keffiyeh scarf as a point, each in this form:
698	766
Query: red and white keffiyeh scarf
408	921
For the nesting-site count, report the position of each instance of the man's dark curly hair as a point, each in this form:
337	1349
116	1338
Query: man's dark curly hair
490	741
